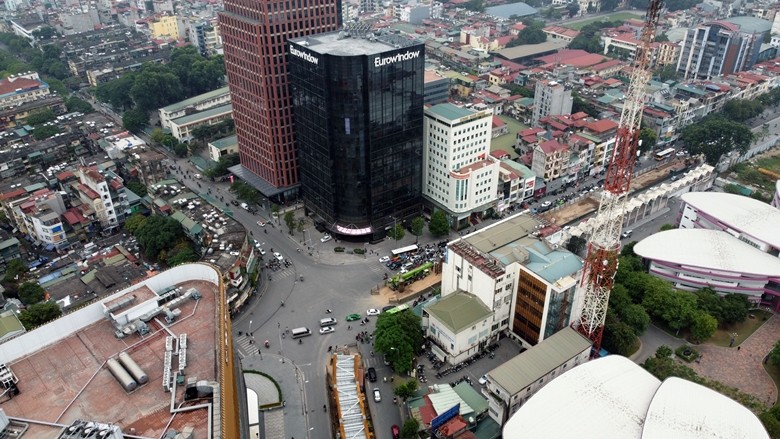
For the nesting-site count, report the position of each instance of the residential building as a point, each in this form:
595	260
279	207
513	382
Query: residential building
205	36
550	98
222	147
16	90
182	127
513	383
459	174
104	196
9	250
560	33
255	46
39	217
550	160
527	283
436	88
168	26
666	53
360	163
721	47
205	101
516	183
461	324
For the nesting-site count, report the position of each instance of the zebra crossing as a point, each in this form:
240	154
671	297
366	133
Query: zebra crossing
245	346
287	272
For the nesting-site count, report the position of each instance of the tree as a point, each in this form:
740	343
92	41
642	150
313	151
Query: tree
648	138
289	219
576	244
573	9
398	337
628	249
158	135
246	193
581	105
183	256
735	308
663	351
740	110
666	73
134	120
158	233
154	87
774	354
14	271
40	117
137	188
30	293
530	35
418	226
636	317
715	136
44	132
702	325
439	226
134	222
619	338
44	33
406	390
117	92
75	104
410	428
39	314
662	37
675	308
224	162
397	232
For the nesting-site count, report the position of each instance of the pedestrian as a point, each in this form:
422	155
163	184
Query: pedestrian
739	347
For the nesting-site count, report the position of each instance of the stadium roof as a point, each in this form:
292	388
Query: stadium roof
535	363
712	249
613	397
753	217
685	410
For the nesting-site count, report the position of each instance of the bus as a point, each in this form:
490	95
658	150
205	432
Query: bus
300	332
398	308
663	155
402	250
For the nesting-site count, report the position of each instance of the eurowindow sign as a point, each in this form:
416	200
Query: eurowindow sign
380	61
303	55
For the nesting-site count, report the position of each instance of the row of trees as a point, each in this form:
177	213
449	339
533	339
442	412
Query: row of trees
158	135
161	238
30	293
589	38
532	34
45	60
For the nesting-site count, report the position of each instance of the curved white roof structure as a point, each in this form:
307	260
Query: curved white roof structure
711	249
685	410
753	217
613	397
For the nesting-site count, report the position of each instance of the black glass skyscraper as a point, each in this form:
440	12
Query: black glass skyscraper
358	112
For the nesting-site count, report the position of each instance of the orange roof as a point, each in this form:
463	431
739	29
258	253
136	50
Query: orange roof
9	86
551	146
602	125
13	194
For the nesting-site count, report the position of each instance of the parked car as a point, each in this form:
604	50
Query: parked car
482	380
626	233
372	374
261	223
326	330
384	259
326	238
377	395
372	312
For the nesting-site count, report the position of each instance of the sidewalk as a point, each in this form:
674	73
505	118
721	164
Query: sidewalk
286	375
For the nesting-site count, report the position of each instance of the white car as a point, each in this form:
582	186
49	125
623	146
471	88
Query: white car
384	259
372	312
279	257
261	223
482	380
627	233
377	396
547	204
326	330
326	238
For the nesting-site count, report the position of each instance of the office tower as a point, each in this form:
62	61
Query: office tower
254	37
358	104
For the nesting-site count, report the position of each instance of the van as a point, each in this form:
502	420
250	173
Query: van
300	332
328	321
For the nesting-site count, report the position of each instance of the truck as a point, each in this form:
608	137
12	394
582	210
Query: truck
411	275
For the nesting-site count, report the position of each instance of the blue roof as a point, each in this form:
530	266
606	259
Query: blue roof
552	264
506	11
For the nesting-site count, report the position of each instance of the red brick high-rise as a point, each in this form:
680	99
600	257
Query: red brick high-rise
254	37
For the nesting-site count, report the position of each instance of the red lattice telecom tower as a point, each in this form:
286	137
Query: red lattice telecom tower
601	262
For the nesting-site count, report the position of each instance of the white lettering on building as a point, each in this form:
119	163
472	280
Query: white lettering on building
379	61
310	58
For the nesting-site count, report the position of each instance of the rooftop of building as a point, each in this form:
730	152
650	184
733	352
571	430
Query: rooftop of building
203	115
708	249
225	142
68	379
459	310
535	363
179	106
749	24
750	216
450	112
509	10
614	398
354	42
11	85
517	240
528	50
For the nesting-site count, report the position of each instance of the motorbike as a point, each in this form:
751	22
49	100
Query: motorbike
267	344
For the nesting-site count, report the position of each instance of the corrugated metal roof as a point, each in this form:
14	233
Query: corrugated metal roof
528	367
350	406
444	398
459	310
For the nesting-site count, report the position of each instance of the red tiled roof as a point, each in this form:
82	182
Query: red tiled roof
602	125
530	131
9	86
88	191
453	426
499	154
607	64
565	31
93	174
613	81
65	175
530	139
579	115
116	184
551	146
558	125
13	194
73	216
497	122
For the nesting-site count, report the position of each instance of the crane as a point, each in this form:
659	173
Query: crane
601	262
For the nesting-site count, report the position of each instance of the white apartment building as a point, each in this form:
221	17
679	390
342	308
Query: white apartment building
459	324
205	101
550	97
94	191
459	174
183	127
511	384
39	217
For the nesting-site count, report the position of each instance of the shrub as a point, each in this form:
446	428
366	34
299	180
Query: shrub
339	249
687	353
359	251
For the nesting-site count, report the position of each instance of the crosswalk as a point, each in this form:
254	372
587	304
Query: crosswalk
287	272
244	346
